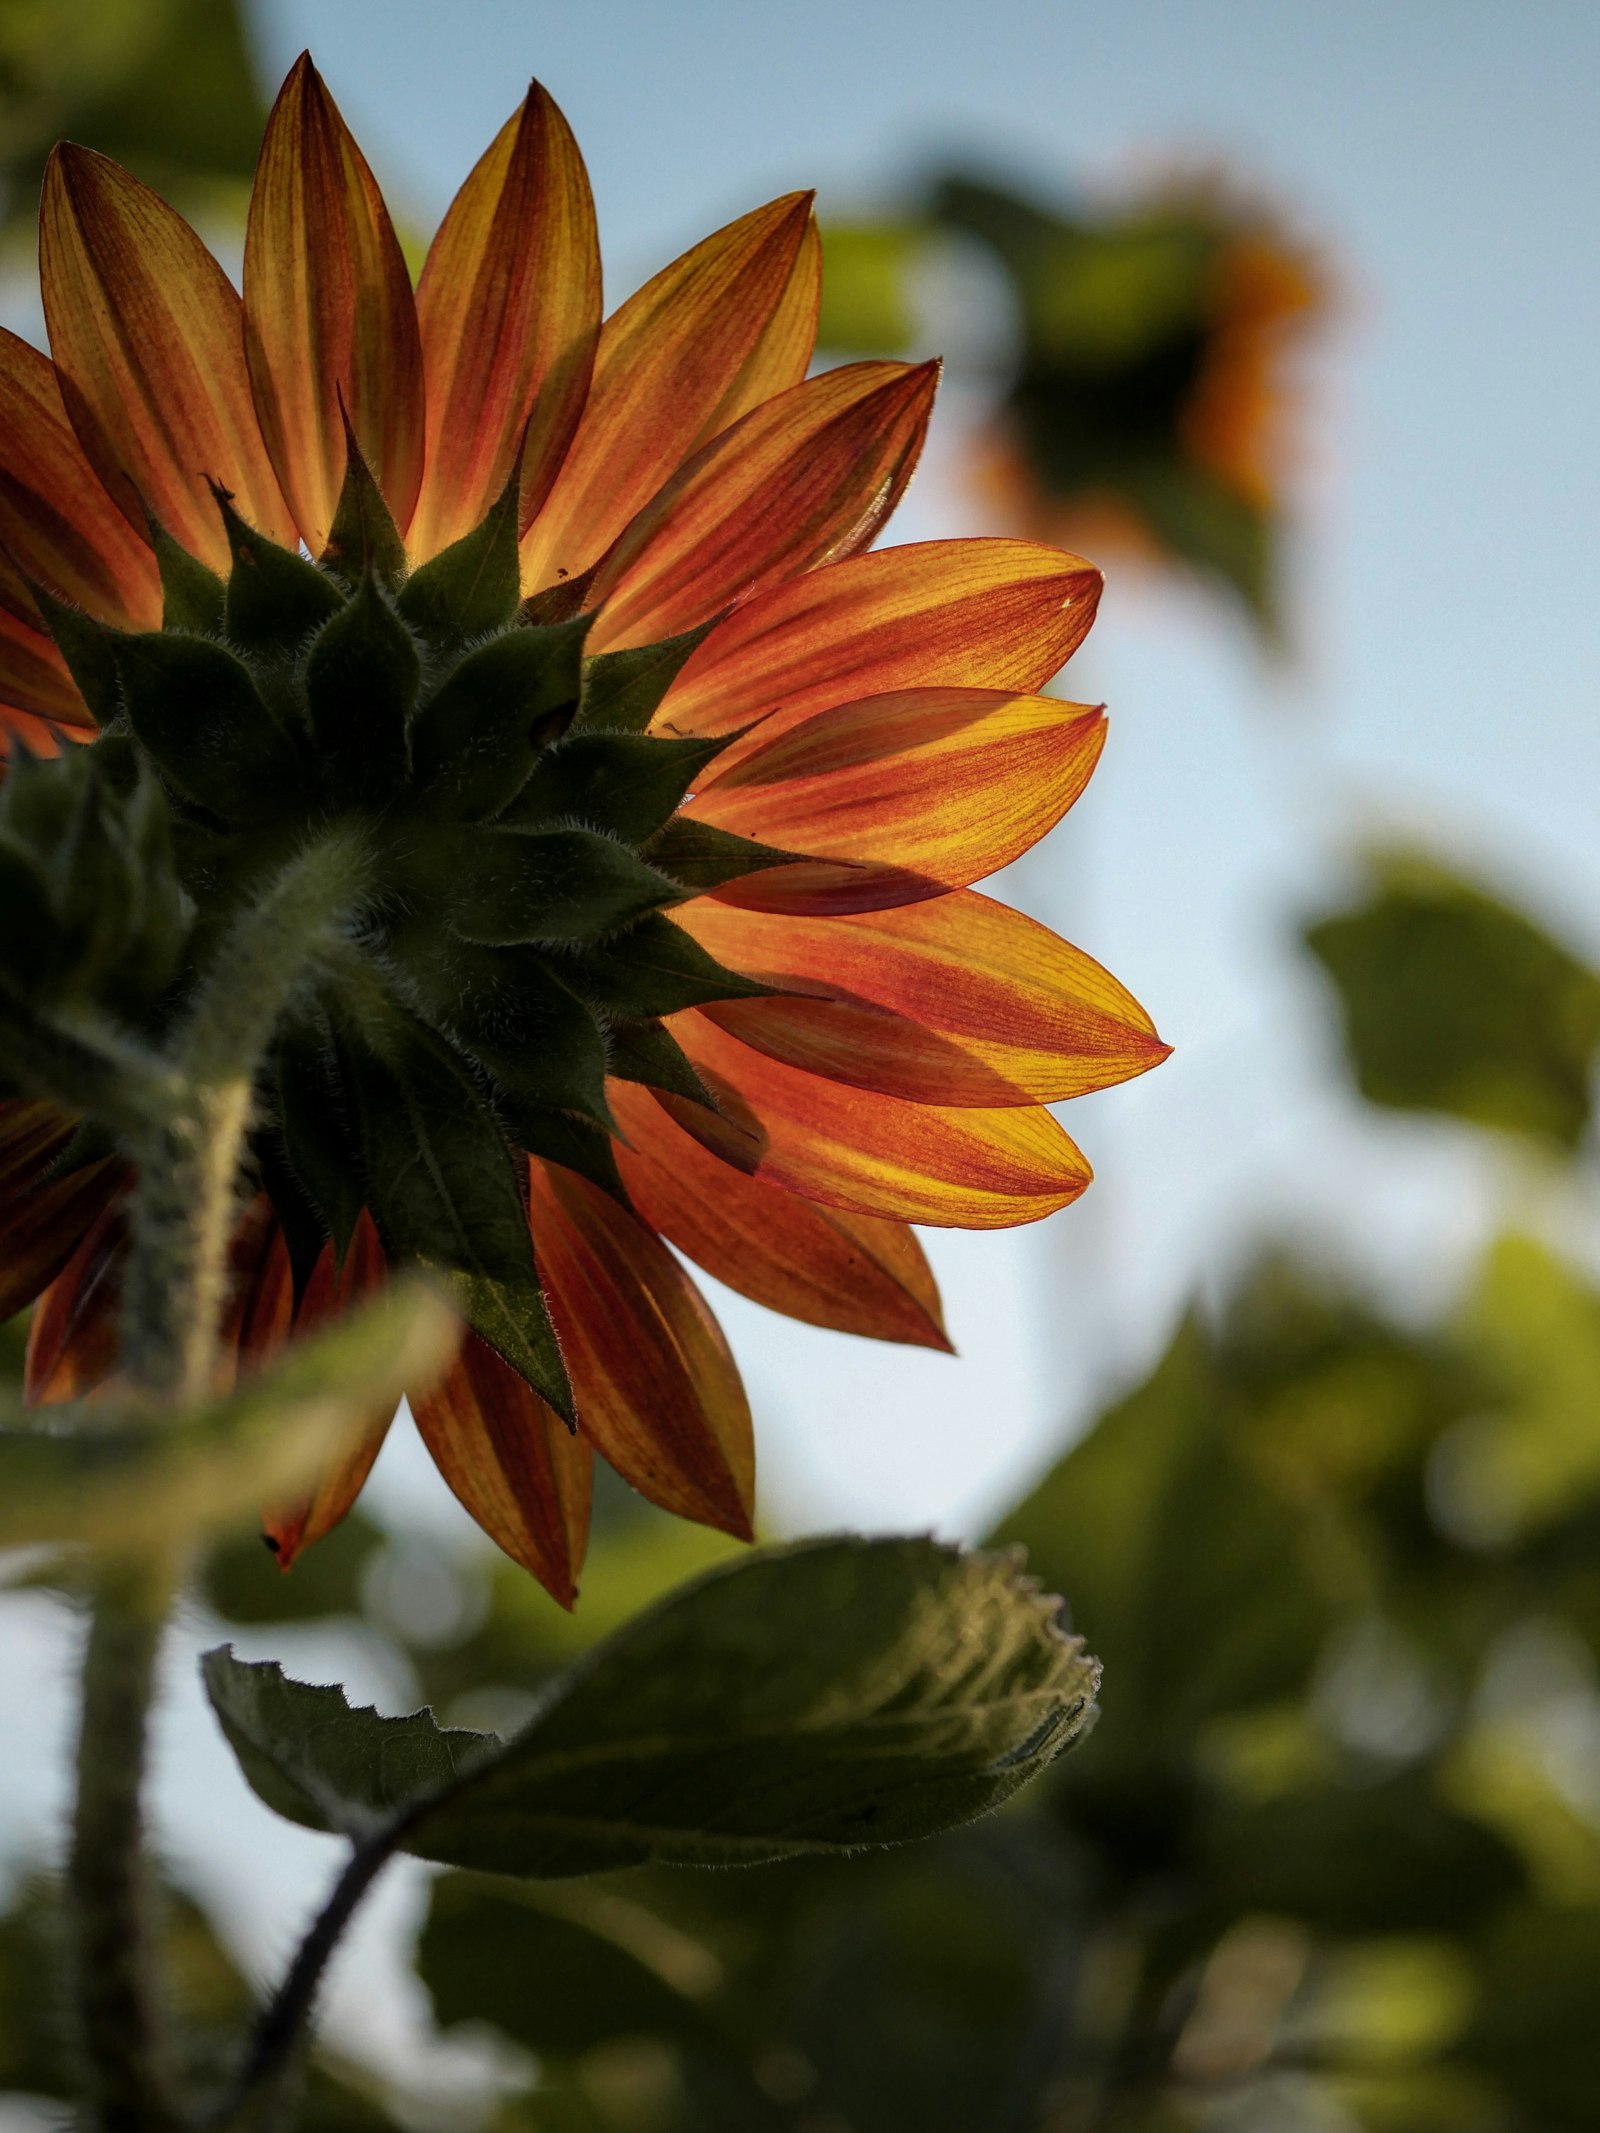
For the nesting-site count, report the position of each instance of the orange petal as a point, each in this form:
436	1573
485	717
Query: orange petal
149	347
43	1220
657	1391
292	1528
329	313
802	480
513	1463
908	794
852	1272
73	1334
986	614
958	1001
726	326
56	521
880	1155
34	677
509	307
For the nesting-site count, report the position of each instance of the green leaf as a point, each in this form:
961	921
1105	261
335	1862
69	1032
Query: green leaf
649	1054
867	297
517	886
275	597
443	1190
90	649
193	597
364	540
654	969
629	784
622	691
316	1131
198	712
116	1481
576	1143
1192	1581
1455	1002
701	857
473	586
476	740
362	678
807	1699
512	1012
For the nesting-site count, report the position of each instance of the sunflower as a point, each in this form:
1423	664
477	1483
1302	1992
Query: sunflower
675	791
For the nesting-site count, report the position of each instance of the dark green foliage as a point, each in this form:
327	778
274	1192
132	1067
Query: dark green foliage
481	731
700	856
364	540
193	597
197	711
274	596
1455	1002
631	783
622	691
471	588
316	1136
362	676
655	968
549	885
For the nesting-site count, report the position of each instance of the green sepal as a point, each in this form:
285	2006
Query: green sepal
560	602
364	539
647	1053
575	1143
274	597
702	857
193	597
90	649
477	738
535	1036
473	586
315	1131
443	1190
515	886
629	784
91	1143
304	1237
362	678
197	711
622	691
655	969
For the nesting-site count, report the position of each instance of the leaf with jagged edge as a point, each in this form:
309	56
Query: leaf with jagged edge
810	1698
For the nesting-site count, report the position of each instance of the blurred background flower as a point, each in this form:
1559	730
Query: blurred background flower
1333	1859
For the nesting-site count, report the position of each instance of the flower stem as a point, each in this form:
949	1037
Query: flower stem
188	1150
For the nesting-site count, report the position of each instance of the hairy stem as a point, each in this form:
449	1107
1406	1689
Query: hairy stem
187	1147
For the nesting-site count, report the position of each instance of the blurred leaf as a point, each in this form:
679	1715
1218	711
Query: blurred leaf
1535	2026
867	301
167	87
1191	1580
243	1582
1455	1002
830	1694
93	1474
1362	1858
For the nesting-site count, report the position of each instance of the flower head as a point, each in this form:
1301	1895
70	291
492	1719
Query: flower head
674	795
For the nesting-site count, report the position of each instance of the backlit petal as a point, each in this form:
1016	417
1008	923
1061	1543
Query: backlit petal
513	1463
801	481
509	307
72	1335
879	1155
42	1219
34	677
656	1388
855	1273
56	521
292	1528
983	614
148	340
329	313
729	324
907	794
957	1001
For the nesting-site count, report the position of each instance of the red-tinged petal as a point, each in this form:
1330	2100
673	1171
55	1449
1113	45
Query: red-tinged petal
958	1001
982	614
34	677
801	481
903	796
73	1334
43	1220
698	346
35	733
880	1155
656	1388
509	307
148	340
329	313
56	522
855	1273
513	1463
290	1529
